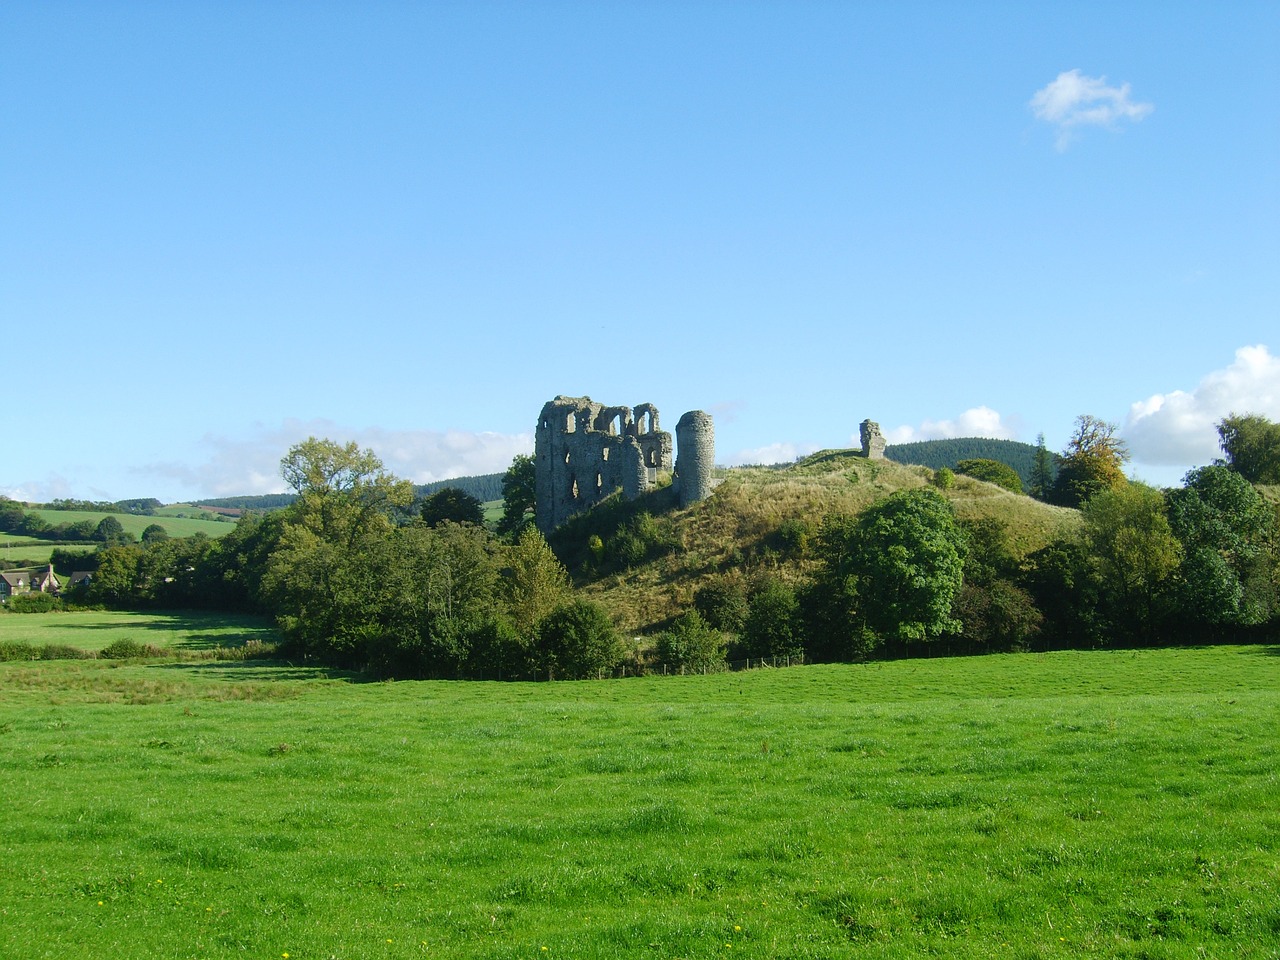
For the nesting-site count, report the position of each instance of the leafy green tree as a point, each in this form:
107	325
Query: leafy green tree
1093	461
578	640
1067	589
944	478
451	505
534	582
1252	447
773	627
722	602
1128	536
11	515
1227	532
691	644
154	533
519	496
113	581
110	531
991	471
894	571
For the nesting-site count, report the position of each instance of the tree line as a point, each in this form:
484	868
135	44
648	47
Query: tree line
359	572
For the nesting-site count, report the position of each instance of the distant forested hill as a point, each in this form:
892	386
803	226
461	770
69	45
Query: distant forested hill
947	453
484	488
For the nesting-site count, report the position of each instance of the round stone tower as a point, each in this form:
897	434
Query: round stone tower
695	456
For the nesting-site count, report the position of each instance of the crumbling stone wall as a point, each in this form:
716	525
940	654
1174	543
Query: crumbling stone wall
584	451
872	440
696	439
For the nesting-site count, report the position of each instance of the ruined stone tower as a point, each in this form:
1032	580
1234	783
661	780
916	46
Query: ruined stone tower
584	451
696	439
872	440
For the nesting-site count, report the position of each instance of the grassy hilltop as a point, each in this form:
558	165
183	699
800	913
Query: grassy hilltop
758	521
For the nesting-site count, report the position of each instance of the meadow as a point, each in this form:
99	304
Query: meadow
1114	804
134	524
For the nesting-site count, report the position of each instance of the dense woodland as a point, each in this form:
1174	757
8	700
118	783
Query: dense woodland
363	572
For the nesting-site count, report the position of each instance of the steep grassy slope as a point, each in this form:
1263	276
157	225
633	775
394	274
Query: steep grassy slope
757	521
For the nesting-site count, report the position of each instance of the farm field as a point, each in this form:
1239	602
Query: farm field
1115	804
94	629
134	524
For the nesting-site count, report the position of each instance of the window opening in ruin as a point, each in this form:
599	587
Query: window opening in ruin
566	456
573	488
570	423
653	458
599	483
604	454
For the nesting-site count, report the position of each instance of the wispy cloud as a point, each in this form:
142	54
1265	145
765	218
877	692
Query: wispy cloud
772	453
1179	428
1074	100
251	465
974	422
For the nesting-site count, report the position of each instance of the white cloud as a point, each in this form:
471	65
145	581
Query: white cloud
1074	100
252	466
773	453
39	491
974	422
1179	428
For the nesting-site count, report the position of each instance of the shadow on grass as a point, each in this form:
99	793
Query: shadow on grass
262	670
201	628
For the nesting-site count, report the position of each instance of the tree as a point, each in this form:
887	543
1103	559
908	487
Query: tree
773	626
1226	530
691	644
154	533
578	640
110	531
1093	461
1252	447
1129	538
992	471
453	506
534	582
519	496
1042	471
890	573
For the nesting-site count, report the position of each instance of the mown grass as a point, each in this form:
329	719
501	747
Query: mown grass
1118	804
134	524
93	630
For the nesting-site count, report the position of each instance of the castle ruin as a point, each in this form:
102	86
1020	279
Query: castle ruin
584	451
872	440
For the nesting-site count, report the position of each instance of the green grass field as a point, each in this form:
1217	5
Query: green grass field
1114	804
174	526
94	629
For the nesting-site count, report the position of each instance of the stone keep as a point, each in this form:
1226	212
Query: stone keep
872	440
696	439
584	451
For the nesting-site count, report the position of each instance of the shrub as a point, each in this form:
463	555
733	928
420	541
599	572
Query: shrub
128	650
722	602
992	471
34	603
944	478
578	640
692	644
11	650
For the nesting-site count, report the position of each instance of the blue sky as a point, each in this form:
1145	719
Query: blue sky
227	226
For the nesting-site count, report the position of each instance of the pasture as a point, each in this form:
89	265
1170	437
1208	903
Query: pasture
134	524
1115	804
